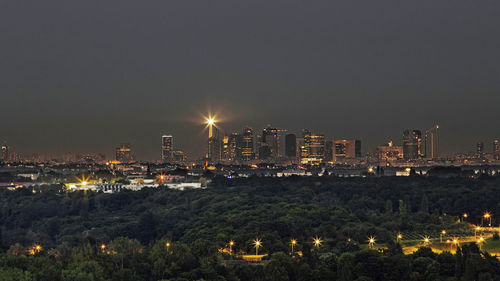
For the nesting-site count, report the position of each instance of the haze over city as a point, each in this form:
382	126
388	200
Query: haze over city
131	71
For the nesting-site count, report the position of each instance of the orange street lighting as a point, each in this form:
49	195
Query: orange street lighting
257	244
293	242
38	248
488	217
443	233
103	247
399	237
426	240
231	244
167	245
317	242
371	241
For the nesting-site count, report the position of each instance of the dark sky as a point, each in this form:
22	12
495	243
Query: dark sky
87	75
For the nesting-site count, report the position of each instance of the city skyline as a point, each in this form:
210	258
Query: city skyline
425	144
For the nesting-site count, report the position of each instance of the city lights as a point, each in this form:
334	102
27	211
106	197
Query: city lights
317	242
257	244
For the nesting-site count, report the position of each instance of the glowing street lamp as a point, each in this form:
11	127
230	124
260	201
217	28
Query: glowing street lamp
293	242
476	230
455	242
486	216
443	233
167	245
103	247
231	244
371	241
317	242
399	237
427	240
257	244
480	242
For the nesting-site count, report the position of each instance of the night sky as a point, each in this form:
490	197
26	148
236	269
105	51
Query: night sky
85	76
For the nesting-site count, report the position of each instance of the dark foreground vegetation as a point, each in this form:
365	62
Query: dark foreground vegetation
135	227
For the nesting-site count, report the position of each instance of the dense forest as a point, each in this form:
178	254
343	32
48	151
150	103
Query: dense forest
136	225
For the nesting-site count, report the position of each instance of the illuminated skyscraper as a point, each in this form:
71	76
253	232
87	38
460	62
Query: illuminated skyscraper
167	146
496	149
480	149
247	147
269	145
230	146
5	153
347	149
432	143
313	151
214	150
124	153
291	146
412	144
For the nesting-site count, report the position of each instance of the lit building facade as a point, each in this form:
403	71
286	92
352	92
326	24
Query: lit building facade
432	143
246	147
5	153
123	153
167	146
412	144
269	145
214	146
313	151
347	149
389	152
480	149
496	149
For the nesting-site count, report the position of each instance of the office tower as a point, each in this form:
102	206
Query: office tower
178	156
412	144
291	146
269	145
496	150
432	143
167	146
214	146
313	151
124	153
329	151
389	152
5	153
480	149
246	148
347	149
230	147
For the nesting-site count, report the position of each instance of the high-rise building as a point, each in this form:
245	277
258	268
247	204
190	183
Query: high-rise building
291	146
269	145
124	153
329	151
167	146
313	151
496	149
480	149
347	149
230	146
246	148
432	143
389	152
214	151
5	153
412	144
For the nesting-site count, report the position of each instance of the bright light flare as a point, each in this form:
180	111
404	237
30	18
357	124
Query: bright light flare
317	242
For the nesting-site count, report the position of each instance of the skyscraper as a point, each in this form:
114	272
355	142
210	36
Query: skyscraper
347	149
412	144
247	147
5	153
230	146
432	143
496	149
167	146
480	149
269	145
124	153
291	146
214	146
313	151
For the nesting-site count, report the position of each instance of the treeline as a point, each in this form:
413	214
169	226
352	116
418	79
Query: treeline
125	259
